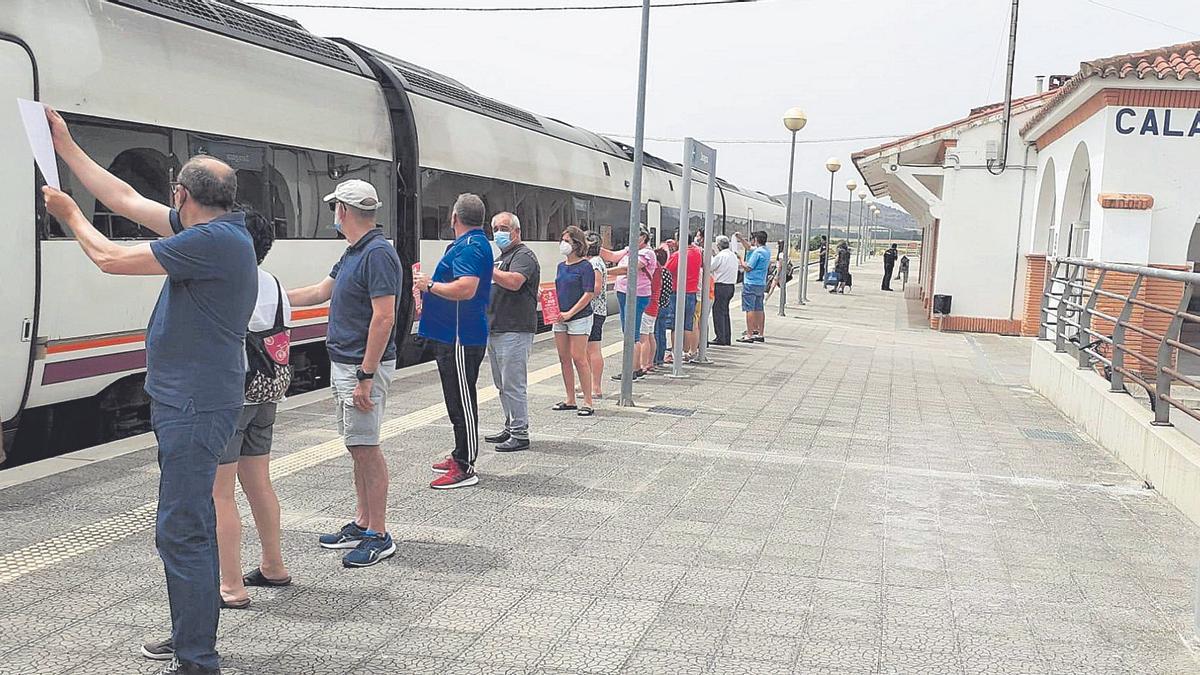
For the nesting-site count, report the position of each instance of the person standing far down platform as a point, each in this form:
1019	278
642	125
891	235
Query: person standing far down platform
823	259
454	326
195	363
902	272
512	322
842	268
362	289
889	264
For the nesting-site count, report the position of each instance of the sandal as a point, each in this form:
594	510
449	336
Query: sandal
240	604
585	412
563	405
257	578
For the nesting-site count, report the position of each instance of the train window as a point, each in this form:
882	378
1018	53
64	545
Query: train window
606	171
583	212
140	157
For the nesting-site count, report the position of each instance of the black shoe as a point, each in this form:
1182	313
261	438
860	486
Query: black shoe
178	667
163	650
498	438
513	444
758	338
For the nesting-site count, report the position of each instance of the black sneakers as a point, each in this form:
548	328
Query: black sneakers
513	444
498	437
163	650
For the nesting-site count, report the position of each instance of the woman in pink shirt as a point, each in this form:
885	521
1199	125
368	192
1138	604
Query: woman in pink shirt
645	264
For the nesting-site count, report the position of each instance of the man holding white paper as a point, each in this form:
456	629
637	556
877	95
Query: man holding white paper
195	363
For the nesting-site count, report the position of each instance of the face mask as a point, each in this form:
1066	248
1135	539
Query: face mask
503	239
564	248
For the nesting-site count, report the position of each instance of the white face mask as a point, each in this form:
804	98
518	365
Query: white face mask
564	248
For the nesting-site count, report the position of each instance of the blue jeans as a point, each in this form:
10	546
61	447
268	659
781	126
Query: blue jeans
643	301
660	335
189	446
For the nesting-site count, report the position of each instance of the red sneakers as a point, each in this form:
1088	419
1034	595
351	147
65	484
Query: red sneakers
455	477
444	465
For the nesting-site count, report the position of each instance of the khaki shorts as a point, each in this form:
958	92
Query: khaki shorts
355	426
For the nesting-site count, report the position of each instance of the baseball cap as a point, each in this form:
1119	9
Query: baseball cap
357	193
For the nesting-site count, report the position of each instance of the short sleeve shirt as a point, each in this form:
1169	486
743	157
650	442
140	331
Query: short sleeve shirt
646	256
600	302
758	261
464	321
369	269
571	282
694	261
516	311
658	285
195	341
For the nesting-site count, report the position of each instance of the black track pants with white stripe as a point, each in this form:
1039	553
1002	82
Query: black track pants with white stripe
458	367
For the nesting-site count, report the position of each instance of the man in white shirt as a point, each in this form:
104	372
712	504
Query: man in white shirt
724	273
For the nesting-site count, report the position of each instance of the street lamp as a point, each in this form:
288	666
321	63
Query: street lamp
862	197
851	186
874	222
793	120
833	165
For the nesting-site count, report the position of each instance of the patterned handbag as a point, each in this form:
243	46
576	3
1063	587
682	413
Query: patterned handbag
268	354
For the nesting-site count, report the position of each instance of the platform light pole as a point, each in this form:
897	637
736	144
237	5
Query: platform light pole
833	165
635	212
862	198
793	120
851	186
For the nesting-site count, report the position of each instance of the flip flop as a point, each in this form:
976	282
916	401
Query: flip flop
241	604
585	412
563	405
257	578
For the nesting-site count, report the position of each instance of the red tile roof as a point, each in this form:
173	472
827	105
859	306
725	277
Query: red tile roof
1179	62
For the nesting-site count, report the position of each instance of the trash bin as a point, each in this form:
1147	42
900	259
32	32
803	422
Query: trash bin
941	304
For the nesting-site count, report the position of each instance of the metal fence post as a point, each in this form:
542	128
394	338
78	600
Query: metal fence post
1116	379
1162	408
1060	312
1085	322
681	271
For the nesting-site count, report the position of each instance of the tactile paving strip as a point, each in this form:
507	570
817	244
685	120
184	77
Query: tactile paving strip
43	554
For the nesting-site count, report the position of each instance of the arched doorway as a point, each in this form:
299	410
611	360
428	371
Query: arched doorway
1044	218
1073	228
1189	332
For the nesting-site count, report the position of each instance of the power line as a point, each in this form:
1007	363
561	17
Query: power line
563	8
1143	17
769	141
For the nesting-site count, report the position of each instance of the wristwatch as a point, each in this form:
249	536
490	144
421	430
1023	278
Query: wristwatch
361	374
429	286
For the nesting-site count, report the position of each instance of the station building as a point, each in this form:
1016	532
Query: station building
1100	166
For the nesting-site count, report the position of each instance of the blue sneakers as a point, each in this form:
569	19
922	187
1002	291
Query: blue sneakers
373	549
350	536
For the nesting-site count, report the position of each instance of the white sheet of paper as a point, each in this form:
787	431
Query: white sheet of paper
37	130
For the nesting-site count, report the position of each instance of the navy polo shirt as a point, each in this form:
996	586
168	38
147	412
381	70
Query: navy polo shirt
370	268
195	343
447	320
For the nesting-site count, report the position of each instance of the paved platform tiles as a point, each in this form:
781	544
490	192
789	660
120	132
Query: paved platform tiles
858	495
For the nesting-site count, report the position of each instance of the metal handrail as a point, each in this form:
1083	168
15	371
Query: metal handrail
1070	298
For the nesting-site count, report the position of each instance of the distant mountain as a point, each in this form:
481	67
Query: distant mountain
900	222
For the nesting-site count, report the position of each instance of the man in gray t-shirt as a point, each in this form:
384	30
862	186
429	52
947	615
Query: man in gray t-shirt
512	320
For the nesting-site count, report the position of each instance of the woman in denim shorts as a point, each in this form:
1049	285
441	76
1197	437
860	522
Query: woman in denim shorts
575	284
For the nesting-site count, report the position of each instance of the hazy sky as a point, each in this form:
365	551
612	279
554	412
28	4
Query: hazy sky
869	67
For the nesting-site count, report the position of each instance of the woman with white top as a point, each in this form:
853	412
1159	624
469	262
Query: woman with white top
247	456
599	313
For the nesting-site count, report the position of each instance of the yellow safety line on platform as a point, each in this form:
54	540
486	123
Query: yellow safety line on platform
39	556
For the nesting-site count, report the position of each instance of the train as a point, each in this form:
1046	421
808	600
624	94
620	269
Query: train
145	84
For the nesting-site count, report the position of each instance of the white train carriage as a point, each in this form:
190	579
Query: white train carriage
145	84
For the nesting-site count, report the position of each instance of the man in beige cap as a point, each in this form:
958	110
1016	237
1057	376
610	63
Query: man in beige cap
362	289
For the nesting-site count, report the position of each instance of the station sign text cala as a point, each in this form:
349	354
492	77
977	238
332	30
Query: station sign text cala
1171	122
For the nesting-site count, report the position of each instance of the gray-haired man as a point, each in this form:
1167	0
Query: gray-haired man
512	321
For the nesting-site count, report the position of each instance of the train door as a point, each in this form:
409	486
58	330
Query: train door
654	221
18	231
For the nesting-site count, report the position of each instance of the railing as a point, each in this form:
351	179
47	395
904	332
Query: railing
1076	296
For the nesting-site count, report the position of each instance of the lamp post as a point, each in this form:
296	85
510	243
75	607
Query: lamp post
874	222
851	186
862	197
793	120
833	165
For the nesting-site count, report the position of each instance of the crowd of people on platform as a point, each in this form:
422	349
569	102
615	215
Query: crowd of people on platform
218	348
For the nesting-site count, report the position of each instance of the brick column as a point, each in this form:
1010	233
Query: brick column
1035	285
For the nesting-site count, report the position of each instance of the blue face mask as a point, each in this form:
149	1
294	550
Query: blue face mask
503	239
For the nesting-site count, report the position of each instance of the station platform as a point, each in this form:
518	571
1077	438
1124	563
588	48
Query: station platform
859	494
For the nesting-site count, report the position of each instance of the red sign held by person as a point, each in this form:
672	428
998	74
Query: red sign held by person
551	314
